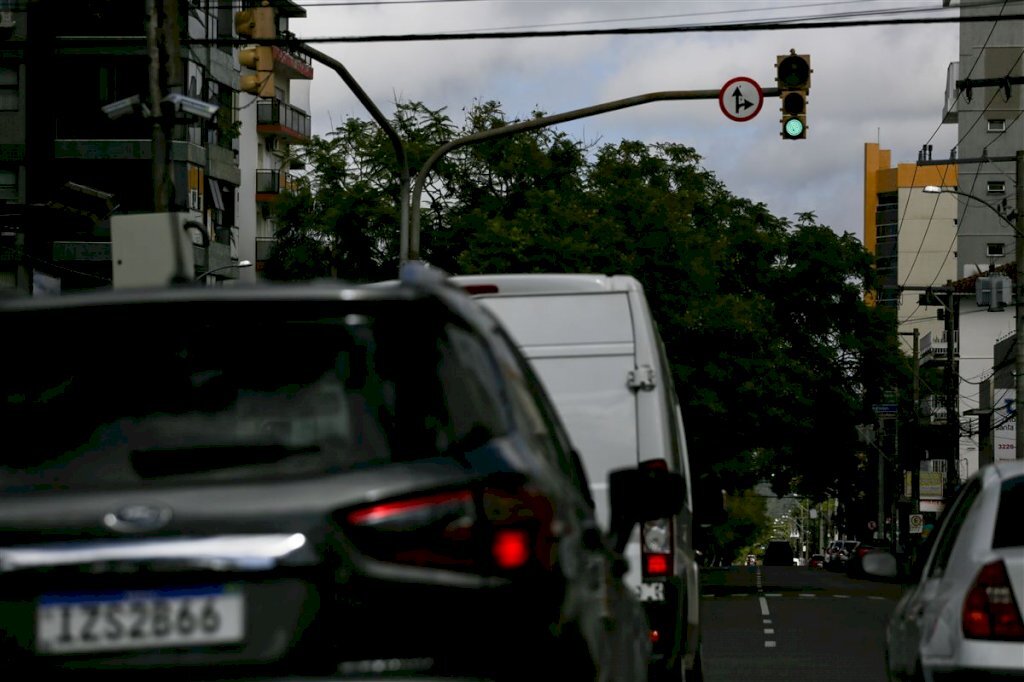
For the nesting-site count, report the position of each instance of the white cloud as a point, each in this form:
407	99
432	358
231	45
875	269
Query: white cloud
868	83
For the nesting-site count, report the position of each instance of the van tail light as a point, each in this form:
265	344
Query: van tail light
656	540
490	530
990	609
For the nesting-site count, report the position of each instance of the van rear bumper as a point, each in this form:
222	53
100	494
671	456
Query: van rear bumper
668	618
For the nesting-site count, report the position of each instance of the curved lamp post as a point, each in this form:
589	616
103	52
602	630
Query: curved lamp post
239	264
1018	291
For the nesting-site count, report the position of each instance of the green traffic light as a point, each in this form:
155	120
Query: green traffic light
794	127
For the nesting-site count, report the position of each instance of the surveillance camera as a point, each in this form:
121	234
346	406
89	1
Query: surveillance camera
124	107
191	105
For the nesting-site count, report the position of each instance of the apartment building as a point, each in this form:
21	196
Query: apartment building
72	157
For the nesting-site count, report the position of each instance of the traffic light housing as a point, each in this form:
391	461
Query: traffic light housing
793	77
261	60
257	23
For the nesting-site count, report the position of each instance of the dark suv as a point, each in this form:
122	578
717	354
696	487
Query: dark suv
299	480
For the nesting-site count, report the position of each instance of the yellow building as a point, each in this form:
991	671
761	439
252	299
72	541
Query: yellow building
911	233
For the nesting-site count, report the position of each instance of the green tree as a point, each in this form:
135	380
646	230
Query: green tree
774	350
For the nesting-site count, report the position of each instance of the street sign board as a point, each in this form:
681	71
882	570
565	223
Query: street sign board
885	409
931	485
741	98
916	523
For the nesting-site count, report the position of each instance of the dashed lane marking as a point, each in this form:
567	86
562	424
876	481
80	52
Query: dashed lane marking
769	644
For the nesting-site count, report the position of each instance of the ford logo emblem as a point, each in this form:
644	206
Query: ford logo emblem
138	518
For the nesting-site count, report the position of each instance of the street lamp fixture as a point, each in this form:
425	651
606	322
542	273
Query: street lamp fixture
239	264
934	189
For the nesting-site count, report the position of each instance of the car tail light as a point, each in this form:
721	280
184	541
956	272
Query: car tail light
656	540
487	530
990	609
474	289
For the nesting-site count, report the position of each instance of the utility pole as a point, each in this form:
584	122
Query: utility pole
1019	339
952	389
163	39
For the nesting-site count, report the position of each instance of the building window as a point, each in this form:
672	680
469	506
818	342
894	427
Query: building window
886	264
995	250
9	95
996	125
996	187
8	180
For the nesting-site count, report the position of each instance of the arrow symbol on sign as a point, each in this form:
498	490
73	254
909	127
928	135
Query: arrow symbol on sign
741	101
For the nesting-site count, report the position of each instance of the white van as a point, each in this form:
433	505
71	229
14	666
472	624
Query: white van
593	343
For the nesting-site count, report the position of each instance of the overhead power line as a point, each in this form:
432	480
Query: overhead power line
649	30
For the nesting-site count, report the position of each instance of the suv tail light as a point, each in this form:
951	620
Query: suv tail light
656	538
487	530
990	609
476	289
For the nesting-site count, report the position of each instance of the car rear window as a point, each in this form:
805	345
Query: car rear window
1009	528
209	391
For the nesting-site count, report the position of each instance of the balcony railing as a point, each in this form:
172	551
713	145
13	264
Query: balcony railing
301	56
275	116
271	182
268	182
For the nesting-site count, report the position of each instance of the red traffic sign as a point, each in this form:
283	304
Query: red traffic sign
741	98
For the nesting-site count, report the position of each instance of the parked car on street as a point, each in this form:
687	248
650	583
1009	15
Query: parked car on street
372	474
816	561
838	554
961	617
593	341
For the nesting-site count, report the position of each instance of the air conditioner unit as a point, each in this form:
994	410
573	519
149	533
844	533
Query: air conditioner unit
7	19
276	145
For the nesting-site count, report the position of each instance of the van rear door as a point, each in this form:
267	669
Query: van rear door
581	347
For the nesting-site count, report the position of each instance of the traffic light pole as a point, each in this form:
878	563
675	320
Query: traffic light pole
533	124
382	121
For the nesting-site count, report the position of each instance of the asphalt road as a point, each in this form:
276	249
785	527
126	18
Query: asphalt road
768	623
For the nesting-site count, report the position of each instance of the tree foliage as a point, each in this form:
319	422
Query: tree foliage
773	348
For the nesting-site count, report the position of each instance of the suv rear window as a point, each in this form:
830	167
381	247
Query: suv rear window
231	391
1009	529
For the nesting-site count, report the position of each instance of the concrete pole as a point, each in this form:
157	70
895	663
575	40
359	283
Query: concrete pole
1019	339
952	389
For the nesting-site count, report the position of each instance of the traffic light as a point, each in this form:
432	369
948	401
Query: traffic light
257	23
260	60
793	76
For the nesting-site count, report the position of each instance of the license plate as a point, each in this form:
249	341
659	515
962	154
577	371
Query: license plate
85	623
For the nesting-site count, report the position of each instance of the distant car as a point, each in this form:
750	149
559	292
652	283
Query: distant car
778	553
838	553
816	561
961	618
372	475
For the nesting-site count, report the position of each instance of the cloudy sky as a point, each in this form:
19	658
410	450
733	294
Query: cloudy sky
868	84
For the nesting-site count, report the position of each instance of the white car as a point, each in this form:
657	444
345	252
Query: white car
962	619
